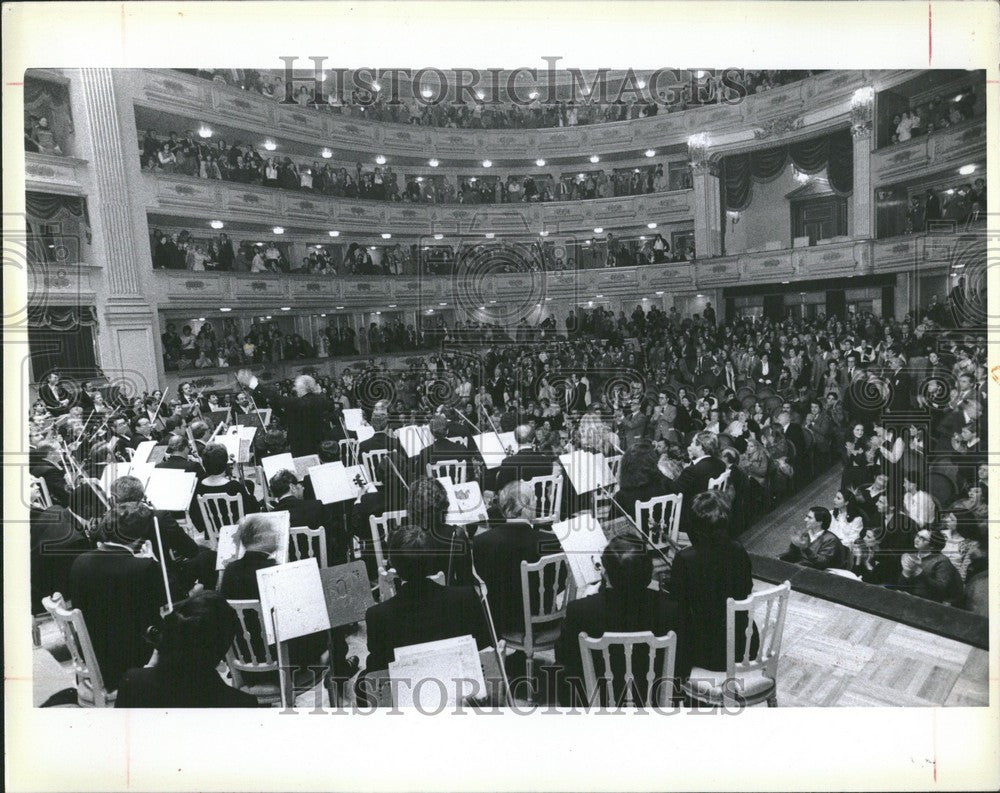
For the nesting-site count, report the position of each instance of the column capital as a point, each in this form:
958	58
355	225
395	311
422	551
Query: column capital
709	167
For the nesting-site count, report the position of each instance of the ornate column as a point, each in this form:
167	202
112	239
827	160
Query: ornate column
707	198
128	340
862	106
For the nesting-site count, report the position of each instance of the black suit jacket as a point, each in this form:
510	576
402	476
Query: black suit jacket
154	688
444	449
423	611
306	419
120	596
55	481
56	541
182	464
694	480
607	612
701	580
523	464
498	554
797	436
380	440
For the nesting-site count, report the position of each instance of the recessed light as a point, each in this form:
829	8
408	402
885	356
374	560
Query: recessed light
270	145
490	235
217	224
433	163
380	160
543	234
492	302
487	163
482	308
378	313
784	282
225	309
322	315
439	236
442	303
339	307
599	230
420	178
286	308
540	162
965	170
427	93
268	316
598	296
650	152
472	179
392	305
594	158
278	230
386	236
660	293
650	225
205	132
334	233
548	299
326	154
201	319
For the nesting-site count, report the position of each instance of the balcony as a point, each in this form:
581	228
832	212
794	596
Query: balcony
770	114
204	198
928	154
54	173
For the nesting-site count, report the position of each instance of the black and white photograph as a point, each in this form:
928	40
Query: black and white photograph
347	399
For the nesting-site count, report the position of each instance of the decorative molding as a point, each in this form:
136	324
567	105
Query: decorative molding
778	126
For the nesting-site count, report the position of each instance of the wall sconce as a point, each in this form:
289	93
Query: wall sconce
733	217
862	107
698	148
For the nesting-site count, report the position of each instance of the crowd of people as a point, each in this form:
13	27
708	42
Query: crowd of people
484	113
899	403
191	155
957	206
938	113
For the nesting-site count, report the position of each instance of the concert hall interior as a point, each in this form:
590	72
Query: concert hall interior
595	400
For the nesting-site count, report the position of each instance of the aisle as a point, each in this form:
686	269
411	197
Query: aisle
769	536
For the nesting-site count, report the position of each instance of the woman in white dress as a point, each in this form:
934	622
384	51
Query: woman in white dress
847	520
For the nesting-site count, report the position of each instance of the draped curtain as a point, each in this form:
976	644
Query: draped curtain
834	152
50	101
58	225
62	337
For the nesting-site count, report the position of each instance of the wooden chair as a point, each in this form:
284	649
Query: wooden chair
380	525
548	497
721	482
90	689
218	510
660	518
250	653
304	542
658	682
370	461
456	469
348	451
747	681
542	619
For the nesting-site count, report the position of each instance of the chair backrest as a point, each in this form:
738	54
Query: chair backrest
40	493
370	461
380	525
250	651
81	649
765	610
304	543
658	682
721	482
348	451
218	510
660	519
543	577
456	469
548	497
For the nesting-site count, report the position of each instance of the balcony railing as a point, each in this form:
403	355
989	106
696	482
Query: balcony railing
954	146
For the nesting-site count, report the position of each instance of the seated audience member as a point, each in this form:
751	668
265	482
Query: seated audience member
928	573
847	519
639	479
192	642
288	493
422	610
704	575
917	504
499	552
815	545
119	589
217	480
625	604
967	541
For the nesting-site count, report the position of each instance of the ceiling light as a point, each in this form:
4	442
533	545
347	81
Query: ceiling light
958	98
427	93
322	315
278	230
642	238
442	303
482	308
543	234
334	233
392	305
439	236
548	299
473	179
217	224
339	306
950	192
660	293
490	235
599	230
205	132
430	311
487	163
225	308
286	308
386	236
380	160
326	154
268	316
540	162
433	163
650	152
594	158
650	225
378	313
492	302
598	296
965	170
270	145
420	178
371	248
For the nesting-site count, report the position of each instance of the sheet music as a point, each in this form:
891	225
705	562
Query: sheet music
583	541
158	455
113	471
277	462
586	470
170	489
142	451
495	447
414	439
304	463
453	662
365	432
229	549
332	482
295	591
353	418
347	591
465	502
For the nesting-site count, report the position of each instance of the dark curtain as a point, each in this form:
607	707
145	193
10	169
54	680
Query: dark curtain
62	338
50	101
58	226
834	152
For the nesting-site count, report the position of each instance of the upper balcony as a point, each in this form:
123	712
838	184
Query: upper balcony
930	153
773	114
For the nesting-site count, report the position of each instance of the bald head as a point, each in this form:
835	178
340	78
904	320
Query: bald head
524	433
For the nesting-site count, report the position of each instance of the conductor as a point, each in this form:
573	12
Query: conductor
305	413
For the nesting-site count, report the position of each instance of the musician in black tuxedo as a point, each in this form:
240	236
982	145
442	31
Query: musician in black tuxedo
442	448
422	611
313	513
126	440
55	397
381	439
523	464
705	465
177	458
57	539
625	603
45	463
306	414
